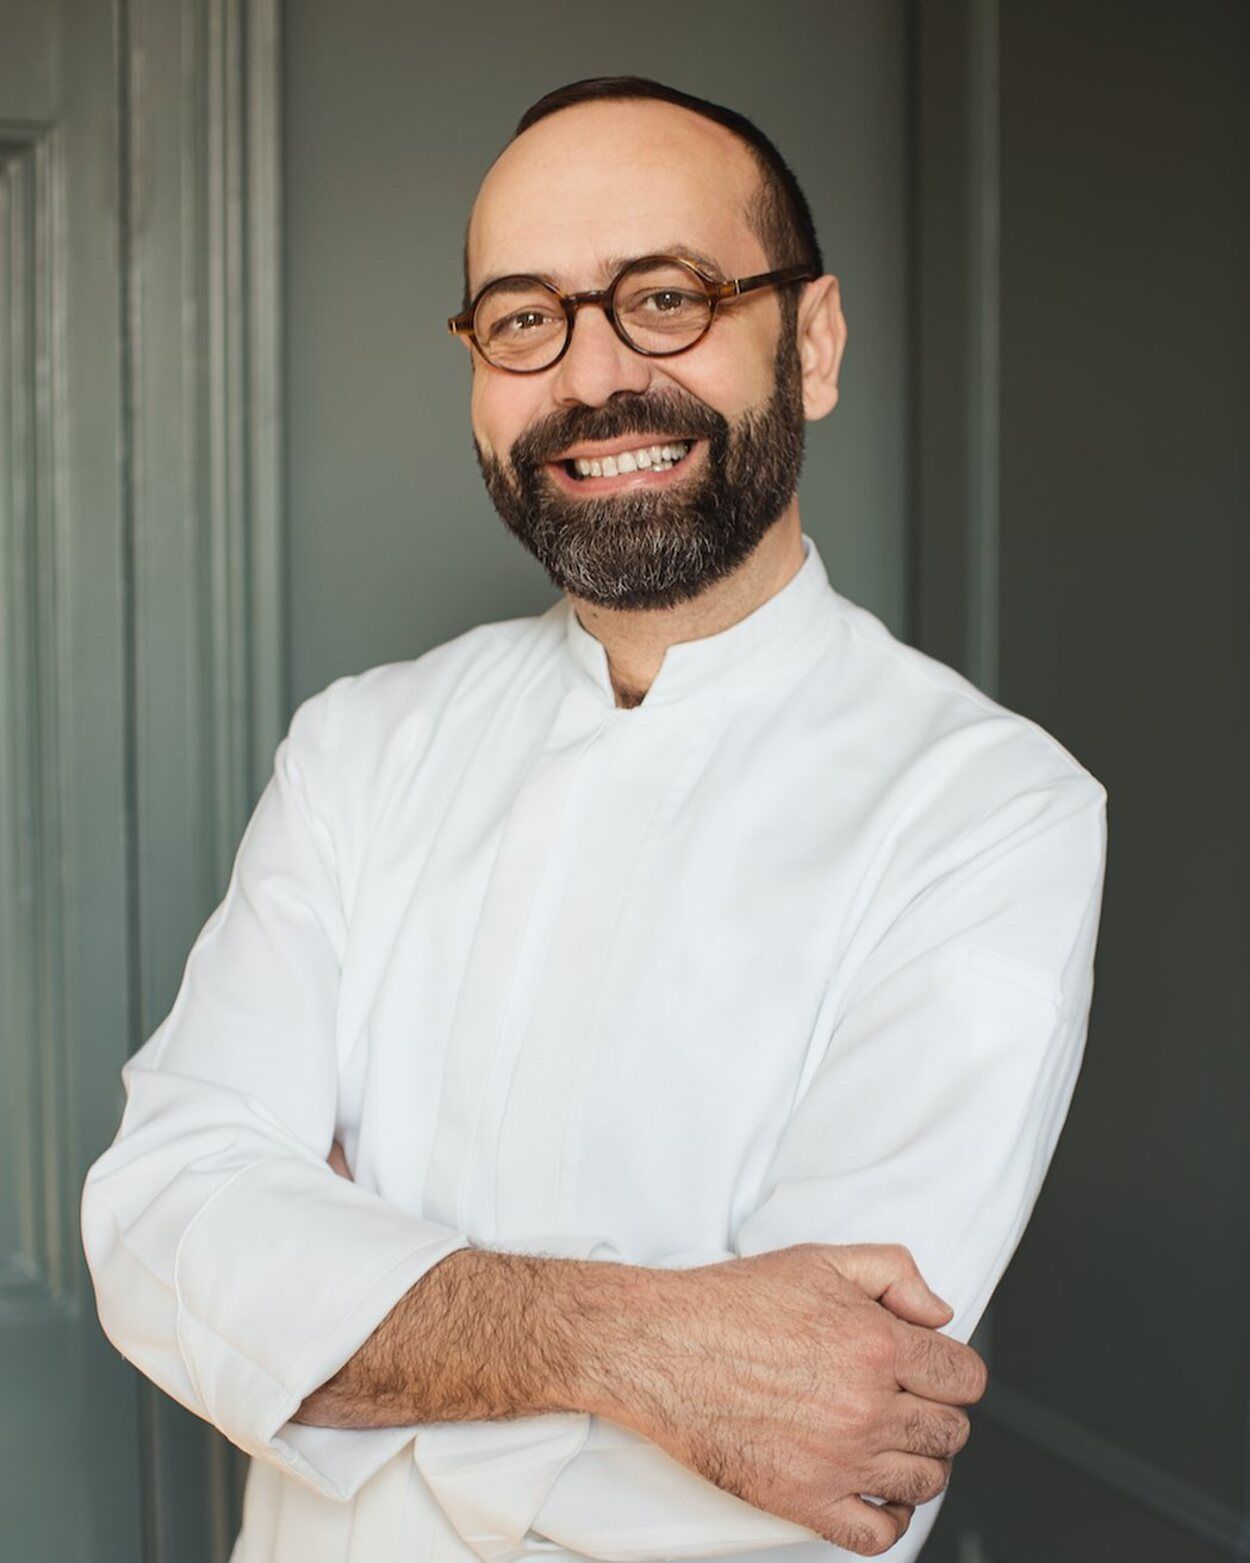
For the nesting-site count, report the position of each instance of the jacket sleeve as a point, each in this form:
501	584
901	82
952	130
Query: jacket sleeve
230	1263
929	1120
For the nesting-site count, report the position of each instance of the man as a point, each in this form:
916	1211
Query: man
683	977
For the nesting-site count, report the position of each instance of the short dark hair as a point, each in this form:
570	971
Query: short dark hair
778	213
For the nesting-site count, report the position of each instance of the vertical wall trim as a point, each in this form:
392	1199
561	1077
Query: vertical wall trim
38	1272
199	110
984	381
241	174
271	683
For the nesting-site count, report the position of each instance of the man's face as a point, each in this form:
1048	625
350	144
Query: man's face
569	201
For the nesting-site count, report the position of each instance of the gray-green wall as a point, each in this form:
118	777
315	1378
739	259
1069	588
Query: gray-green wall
1038	471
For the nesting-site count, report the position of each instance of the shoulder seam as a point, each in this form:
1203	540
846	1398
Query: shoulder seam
974	695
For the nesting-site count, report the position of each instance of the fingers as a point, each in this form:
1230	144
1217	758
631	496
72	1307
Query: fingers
888	1273
907	1479
866	1528
925	1427
938	1367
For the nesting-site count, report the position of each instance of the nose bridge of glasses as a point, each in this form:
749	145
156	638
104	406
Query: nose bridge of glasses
587	296
601	297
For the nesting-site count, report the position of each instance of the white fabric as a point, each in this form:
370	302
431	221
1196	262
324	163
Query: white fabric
800	949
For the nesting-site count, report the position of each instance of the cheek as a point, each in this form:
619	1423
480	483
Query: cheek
500	410
732	372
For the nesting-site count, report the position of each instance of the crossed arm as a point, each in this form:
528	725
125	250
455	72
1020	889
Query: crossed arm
795	1380
240	1275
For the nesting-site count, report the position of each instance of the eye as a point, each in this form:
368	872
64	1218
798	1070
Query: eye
664	301
521	322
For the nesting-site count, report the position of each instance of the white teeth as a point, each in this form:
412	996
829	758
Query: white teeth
658	458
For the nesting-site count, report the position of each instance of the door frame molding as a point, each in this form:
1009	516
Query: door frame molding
204	550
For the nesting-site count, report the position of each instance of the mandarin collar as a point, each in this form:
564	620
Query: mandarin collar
716	664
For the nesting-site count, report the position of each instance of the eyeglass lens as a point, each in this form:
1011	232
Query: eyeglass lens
661	308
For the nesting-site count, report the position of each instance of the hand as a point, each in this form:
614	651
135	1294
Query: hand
338	1161
805	1381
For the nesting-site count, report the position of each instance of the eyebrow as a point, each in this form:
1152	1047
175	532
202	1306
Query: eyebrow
611	264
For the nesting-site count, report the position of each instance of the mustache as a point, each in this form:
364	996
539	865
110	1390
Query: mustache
663	415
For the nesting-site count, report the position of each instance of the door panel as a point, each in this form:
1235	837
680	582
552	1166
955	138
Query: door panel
69	1457
142	686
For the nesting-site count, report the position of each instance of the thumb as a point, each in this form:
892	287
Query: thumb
888	1274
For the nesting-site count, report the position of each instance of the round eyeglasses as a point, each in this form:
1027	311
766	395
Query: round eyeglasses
658	305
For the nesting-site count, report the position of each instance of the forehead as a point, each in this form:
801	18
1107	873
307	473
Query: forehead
600	181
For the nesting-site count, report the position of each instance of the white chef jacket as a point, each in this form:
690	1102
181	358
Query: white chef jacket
799	949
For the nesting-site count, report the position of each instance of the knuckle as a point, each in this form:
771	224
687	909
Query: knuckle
932	1351
978	1375
940	1433
957	1367
925	1481
857	1416
865	1539
915	1482
947	1434
905	1486
936	1480
864	1528
917	1432
927	1432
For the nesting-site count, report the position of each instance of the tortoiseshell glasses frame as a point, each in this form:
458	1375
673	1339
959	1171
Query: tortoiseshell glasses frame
717	292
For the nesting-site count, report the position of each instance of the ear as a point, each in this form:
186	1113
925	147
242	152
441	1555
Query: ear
821	339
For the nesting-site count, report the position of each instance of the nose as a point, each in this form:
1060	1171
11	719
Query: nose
597	363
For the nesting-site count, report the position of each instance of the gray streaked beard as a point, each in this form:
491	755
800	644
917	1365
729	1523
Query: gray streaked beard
654	548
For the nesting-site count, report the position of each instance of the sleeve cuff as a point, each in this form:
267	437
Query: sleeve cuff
490	1478
318	1263
632	1501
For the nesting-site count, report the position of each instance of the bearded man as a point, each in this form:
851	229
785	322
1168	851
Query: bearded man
681	979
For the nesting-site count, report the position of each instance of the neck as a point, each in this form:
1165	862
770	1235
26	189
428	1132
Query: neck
636	639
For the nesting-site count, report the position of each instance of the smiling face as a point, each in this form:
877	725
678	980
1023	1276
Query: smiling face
706	444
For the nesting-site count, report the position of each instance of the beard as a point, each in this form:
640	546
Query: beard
652	548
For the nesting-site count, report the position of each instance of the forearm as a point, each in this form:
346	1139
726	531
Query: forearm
487	1335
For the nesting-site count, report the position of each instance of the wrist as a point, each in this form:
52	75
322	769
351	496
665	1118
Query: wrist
618	1330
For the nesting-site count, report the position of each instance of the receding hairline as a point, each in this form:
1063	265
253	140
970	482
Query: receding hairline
754	201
